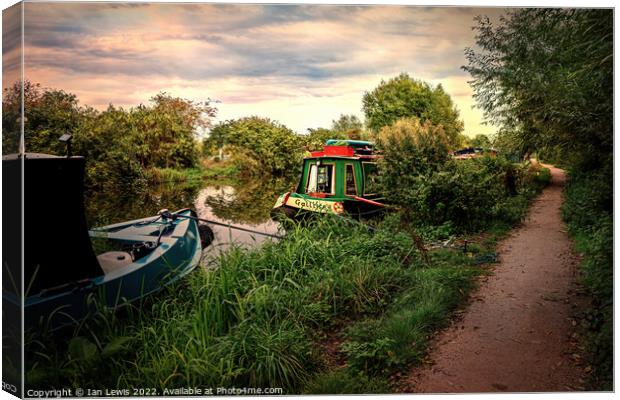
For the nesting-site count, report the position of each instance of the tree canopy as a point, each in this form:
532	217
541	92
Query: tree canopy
546	76
403	96
267	145
119	144
480	140
349	125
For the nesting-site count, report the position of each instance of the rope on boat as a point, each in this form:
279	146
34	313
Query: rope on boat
229	226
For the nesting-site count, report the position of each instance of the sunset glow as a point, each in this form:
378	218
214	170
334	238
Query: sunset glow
302	65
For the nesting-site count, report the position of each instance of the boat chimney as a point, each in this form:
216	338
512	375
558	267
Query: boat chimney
66	139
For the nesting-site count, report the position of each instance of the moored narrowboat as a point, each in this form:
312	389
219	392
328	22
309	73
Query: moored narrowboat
341	179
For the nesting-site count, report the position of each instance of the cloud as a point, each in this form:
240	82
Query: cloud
11	44
279	60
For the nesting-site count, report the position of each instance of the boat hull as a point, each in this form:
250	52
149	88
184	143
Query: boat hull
178	253
297	207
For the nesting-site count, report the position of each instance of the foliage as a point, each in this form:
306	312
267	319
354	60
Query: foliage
164	175
252	317
342	381
410	147
546	76
399	338
316	138
403	96
258	145
346	123
588	211
249	320
429	188
350	125
119	145
480	141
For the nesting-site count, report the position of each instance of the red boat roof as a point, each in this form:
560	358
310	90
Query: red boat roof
342	151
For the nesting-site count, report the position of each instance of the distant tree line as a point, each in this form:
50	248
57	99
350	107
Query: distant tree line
120	145
123	145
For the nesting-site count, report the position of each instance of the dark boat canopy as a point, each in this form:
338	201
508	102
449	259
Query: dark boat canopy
57	248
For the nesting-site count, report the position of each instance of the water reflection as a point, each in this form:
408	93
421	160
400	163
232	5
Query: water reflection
245	203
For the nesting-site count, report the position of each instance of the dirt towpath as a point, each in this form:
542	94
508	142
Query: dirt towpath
515	335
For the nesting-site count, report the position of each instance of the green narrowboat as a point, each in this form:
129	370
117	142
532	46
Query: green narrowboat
340	179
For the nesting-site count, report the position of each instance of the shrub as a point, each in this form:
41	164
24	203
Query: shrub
588	211
431	190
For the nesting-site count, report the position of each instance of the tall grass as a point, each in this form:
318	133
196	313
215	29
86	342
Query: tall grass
165	175
207	170
250	320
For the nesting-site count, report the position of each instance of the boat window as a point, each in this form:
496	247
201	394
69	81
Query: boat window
371	181
320	179
350	187
311	179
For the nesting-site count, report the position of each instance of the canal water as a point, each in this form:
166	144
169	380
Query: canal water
245	203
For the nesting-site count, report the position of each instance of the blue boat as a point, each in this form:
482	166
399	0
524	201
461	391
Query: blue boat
63	277
157	251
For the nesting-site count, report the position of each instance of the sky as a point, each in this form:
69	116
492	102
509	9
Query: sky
301	65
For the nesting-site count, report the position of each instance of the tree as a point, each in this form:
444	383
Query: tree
546	76
48	113
12	112
349	125
480	141
119	145
273	147
217	139
165	133
316	138
411	148
404	96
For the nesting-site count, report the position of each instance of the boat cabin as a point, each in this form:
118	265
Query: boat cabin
340	178
339	172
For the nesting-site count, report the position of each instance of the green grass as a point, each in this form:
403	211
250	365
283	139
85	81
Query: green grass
208	171
588	212
165	175
380	345
341	381
249	321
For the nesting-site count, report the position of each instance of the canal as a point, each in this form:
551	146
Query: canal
245	203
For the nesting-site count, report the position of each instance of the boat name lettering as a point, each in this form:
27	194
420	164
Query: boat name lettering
312	205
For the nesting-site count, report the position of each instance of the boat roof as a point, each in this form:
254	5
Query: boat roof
349	149
350	143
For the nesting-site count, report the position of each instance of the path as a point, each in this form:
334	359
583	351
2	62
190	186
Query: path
515	336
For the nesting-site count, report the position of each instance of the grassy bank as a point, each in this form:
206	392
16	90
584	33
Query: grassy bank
207	170
256	317
588	212
261	317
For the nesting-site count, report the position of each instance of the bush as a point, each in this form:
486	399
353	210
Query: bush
588	211
431	189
